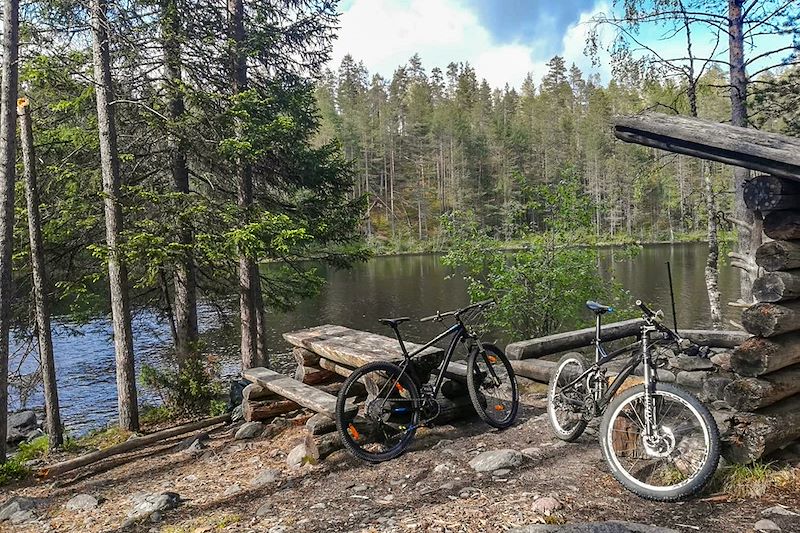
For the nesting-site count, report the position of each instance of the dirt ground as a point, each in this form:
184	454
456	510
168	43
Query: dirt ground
429	488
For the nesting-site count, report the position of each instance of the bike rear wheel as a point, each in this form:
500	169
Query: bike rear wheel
678	460
566	405
381	426
492	386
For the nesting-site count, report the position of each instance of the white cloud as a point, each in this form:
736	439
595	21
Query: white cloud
384	34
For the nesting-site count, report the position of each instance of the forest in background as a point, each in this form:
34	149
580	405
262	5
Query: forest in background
425	143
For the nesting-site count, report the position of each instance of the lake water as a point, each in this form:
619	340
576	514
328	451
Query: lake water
412	285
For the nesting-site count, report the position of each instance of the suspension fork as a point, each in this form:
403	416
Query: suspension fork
650	421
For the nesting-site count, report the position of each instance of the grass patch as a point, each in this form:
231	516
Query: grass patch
754	480
104	438
14	468
206	523
155	415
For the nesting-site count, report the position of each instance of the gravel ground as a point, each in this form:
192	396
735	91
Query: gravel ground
430	488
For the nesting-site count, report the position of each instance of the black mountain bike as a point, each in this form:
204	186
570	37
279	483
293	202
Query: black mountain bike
659	440
377	425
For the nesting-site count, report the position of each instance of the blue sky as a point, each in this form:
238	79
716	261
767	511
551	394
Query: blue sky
503	39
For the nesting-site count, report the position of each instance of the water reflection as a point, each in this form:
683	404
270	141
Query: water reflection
413	286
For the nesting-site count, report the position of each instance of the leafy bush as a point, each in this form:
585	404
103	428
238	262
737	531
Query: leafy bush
191	391
14	468
542	288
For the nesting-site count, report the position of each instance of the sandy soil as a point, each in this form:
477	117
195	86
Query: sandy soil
430	488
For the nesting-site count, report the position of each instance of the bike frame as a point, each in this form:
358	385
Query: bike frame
458	332
602	395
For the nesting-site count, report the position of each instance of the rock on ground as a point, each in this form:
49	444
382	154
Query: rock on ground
249	430
82	502
546	505
20	425
265	477
766	525
496	460
145	504
595	527
15	505
305	452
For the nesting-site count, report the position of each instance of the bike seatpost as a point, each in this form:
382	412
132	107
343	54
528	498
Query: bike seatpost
597	339
400	340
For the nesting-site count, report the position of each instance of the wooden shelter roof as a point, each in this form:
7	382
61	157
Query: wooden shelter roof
771	153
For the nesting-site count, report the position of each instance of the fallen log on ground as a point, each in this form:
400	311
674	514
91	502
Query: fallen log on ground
560	342
777	286
757	356
769	320
130	445
749	394
778	255
750	436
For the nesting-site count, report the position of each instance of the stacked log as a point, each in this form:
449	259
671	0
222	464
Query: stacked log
763	395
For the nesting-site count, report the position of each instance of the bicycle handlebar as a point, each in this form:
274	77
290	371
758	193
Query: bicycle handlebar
653	318
439	316
646	310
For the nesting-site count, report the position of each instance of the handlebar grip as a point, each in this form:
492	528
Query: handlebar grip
645	309
429	318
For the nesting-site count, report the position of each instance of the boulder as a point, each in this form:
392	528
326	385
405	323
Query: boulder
15	505
687	362
304	453
693	380
249	430
147	503
766	525
722	360
496	459
265	477
82	502
546	505
20	425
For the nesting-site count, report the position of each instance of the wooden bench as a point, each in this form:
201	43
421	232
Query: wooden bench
291	389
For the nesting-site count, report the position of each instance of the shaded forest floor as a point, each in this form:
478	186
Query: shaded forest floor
430	488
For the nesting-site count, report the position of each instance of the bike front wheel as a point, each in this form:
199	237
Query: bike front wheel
566	400
377	411
677	460
492	386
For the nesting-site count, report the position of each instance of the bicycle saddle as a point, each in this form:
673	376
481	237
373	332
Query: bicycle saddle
598	309
394	322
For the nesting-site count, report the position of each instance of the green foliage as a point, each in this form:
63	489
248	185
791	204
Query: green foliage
541	289
14	469
190	391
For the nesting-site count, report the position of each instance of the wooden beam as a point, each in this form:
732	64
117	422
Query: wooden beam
770	153
769	320
560	342
749	394
750	436
782	225
535	369
777	286
291	389
778	255
770	193
757	356
714	338
353	348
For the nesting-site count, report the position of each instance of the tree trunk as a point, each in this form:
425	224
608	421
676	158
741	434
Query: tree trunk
712	262
117	271
248	269
750	436
40	281
748	240
8	141
185	307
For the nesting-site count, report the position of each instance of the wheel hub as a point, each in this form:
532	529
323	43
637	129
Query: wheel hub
660	445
